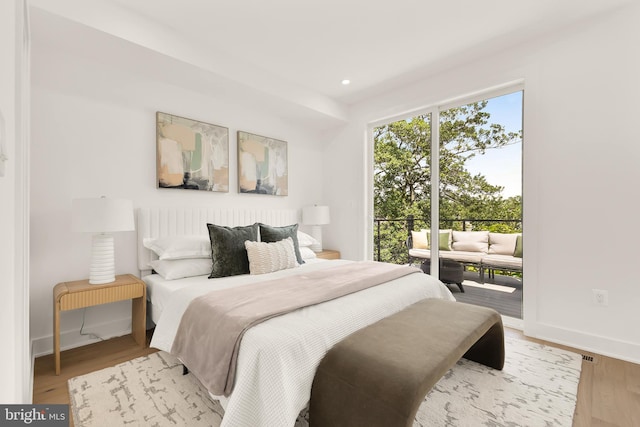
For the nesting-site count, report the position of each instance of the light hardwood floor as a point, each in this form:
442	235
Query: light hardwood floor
49	388
608	393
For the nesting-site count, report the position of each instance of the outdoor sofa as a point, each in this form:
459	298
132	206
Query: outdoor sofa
484	250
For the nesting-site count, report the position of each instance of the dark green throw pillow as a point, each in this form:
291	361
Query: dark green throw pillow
518	251
272	234
228	253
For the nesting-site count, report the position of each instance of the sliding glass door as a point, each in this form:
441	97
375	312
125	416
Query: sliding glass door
480	201
456	211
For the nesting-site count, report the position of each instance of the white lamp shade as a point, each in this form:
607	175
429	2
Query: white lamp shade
102	215
315	215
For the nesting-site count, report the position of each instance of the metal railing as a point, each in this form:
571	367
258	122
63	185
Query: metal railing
409	223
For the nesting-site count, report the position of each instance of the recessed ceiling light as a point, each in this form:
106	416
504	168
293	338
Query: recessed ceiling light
346	82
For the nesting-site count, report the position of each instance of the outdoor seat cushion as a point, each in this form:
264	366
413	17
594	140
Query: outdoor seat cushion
420	253
463	256
506	261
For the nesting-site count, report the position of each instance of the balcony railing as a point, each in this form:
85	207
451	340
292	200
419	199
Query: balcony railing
398	229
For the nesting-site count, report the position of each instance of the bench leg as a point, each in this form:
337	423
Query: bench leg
489	349
460	286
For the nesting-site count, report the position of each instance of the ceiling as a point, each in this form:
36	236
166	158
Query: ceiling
301	50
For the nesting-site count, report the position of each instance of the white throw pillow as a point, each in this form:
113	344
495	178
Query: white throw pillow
305	240
268	257
307	253
179	247
502	243
471	241
419	239
179	268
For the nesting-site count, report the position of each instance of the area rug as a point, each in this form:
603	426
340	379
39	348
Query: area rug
537	387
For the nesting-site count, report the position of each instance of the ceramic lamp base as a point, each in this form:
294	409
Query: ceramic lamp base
102	269
316	233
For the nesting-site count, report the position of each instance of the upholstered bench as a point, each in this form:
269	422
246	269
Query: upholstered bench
379	375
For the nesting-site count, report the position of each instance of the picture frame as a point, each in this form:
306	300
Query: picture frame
262	165
191	154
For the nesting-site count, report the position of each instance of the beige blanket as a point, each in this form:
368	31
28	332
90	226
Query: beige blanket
211	329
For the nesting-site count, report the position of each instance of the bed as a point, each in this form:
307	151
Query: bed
277	358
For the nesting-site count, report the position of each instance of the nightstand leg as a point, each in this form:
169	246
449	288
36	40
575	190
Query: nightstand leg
138	320
56	336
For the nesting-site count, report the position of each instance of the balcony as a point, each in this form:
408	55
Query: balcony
500	289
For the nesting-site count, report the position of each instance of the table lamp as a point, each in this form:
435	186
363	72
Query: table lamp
316	216
103	217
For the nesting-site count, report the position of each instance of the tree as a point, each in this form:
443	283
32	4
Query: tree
402	174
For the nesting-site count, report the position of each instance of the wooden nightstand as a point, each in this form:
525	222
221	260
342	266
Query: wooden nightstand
328	254
80	294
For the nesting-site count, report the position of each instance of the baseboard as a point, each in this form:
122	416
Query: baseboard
604	346
72	339
513	323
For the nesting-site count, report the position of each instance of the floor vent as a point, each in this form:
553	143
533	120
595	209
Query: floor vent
587	358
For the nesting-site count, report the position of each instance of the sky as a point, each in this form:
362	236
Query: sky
503	166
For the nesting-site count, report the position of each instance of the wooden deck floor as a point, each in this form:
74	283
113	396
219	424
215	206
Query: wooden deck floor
507	304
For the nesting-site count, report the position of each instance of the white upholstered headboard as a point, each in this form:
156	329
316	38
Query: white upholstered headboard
191	221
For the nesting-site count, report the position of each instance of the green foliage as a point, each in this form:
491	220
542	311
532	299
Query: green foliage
502	228
402	176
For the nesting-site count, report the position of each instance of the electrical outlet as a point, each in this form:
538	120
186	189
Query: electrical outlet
600	297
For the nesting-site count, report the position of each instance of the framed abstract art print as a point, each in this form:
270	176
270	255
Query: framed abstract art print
191	155
262	165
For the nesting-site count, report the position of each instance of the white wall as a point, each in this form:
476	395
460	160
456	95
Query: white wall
15	361
7	193
581	151
93	134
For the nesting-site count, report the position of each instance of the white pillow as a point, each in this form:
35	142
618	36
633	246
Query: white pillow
502	243
179	247
471	241
178	268
268	257
305	240
307	253
419	239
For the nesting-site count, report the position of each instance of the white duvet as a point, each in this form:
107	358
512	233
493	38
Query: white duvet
278	358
